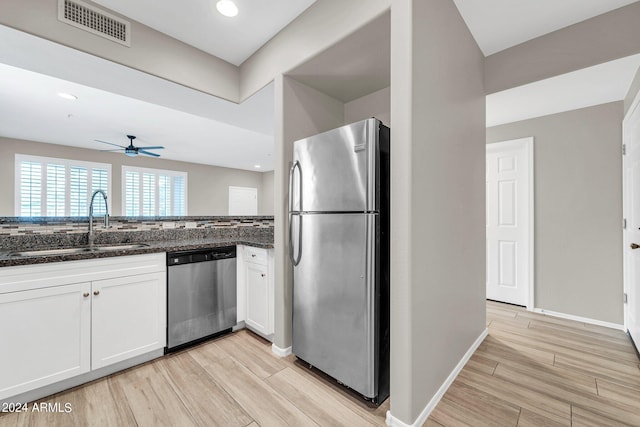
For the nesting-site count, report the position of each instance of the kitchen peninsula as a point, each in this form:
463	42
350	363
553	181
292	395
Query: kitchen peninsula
80	312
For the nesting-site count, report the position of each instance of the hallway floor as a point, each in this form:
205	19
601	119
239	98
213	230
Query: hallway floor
537	370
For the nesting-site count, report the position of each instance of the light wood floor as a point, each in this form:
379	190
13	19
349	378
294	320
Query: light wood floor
536	370
532	370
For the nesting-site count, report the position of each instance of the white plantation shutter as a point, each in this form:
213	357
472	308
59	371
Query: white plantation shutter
148	194
58	187
30	188
56	190
99	181
154	192
179	196
79	187
164	195
132	193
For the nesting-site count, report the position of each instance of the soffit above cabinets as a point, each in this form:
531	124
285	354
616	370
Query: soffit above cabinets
500	24
198	23
113	101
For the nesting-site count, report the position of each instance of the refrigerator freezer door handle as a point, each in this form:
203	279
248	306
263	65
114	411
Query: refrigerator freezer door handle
295	259
295	165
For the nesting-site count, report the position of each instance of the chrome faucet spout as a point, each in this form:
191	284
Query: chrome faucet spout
106	214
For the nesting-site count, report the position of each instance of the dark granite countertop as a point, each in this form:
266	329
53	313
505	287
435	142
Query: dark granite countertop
7	260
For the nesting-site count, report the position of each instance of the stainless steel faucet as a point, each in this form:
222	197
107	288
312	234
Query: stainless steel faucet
106	214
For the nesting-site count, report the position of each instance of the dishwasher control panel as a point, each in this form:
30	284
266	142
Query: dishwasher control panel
188	257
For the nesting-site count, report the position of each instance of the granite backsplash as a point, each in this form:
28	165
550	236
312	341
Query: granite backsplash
46	232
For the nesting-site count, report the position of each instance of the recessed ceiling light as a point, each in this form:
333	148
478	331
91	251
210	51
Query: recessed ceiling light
257	166
227	8
67	96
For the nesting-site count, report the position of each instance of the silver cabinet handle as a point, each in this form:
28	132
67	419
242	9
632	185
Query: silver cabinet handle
86	294
96	293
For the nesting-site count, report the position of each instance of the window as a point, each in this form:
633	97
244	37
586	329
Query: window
58	187
153	192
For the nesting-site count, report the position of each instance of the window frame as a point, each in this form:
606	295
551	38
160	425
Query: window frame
68	164
157	173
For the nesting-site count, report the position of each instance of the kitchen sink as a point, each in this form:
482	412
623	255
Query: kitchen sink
51	252
120	247
74	251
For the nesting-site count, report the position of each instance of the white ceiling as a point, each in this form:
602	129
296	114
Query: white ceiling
198	23
499	24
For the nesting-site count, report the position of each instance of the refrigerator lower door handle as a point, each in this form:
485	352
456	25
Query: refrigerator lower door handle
295	259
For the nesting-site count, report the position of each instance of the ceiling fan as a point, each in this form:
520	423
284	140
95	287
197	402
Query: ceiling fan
132	150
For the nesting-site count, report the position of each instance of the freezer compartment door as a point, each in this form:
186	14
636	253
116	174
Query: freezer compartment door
334	299
337	170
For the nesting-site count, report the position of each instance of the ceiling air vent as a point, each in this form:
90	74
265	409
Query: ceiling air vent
96	21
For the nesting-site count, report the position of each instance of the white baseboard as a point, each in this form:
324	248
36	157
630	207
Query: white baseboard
280	352
580	319
394	422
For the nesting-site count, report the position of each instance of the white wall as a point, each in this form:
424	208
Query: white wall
377	104
266	197
438	203
208	186
578	209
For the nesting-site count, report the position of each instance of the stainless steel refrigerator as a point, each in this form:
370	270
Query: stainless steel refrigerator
339	248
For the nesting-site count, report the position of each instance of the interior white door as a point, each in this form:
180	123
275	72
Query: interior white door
510	222
631	209
243	201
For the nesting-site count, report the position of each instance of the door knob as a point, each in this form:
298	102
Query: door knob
86	294
96	293
635	246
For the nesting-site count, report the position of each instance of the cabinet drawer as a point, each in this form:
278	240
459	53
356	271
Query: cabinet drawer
255	255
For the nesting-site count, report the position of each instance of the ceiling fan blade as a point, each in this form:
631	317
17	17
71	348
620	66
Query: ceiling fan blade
159	147
109	151
110	143
148	153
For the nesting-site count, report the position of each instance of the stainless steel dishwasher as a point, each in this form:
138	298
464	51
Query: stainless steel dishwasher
201	295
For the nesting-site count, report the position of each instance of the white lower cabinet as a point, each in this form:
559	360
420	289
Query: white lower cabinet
54	330
127	318
256	289
257	298
45	337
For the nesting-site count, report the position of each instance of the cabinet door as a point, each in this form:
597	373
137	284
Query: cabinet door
128	317
257	297
45	337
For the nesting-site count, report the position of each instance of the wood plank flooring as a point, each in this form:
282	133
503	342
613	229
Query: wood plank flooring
532	370
537	370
